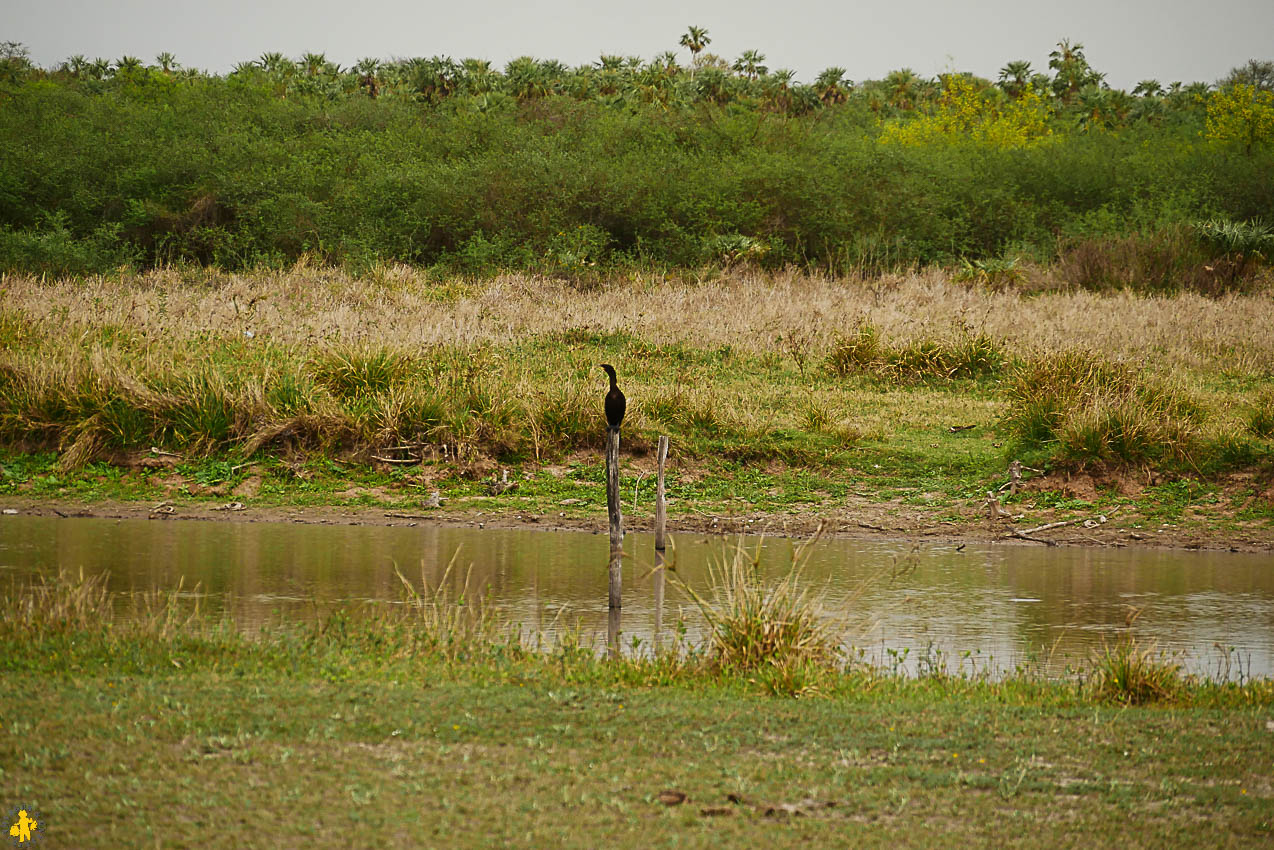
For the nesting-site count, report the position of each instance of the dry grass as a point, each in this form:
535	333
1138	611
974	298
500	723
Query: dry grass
59	603
735	366
448	619
1133	674
404	309
770	628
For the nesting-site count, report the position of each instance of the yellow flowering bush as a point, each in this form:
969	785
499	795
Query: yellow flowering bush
1241	114
966	113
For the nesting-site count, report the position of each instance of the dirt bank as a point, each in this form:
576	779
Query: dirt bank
866	521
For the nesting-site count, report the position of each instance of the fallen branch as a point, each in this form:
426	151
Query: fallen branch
1025	536
1087	522
1047	527
403	461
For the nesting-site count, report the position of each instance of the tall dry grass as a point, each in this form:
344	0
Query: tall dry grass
771	628
745	365
400	308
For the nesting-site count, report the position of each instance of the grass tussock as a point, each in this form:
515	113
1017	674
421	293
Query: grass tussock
1085	410
449	619
1130	673
1261	420
771	629
863	351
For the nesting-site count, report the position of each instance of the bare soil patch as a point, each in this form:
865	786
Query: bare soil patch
859	519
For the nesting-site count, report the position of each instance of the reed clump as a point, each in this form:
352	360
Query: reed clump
770	628
450	616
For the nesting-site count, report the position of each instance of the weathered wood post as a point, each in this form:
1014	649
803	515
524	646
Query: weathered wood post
616	518
612	632
661	520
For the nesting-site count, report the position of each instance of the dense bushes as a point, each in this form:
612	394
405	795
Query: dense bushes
219	171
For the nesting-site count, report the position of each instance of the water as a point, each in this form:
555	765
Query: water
985	607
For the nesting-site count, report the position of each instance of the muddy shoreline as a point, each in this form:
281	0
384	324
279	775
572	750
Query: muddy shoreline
857	522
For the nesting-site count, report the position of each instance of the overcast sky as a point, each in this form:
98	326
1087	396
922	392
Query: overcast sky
1128	40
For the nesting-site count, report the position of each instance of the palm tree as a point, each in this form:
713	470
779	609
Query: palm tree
901	88
1073	70
434	78
477	76
368	73
665	62
830	86
524	78
1015	77
76	66
1148	88
695	40
313	63
777	89
167	62
129	67
749	64
276	63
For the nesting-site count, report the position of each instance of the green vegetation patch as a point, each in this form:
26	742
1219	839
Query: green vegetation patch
425	726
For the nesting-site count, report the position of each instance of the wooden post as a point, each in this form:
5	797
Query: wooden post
613	632
616	518
661	520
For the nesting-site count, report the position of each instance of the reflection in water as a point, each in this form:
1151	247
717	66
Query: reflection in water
983	607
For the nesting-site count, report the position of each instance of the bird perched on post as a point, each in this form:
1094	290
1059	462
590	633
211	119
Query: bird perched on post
615	401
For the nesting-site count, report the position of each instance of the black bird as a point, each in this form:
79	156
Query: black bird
615	401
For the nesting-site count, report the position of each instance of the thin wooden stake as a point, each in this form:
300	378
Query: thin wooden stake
661	506
661	520
616	518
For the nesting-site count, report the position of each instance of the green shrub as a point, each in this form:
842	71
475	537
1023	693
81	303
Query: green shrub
248	171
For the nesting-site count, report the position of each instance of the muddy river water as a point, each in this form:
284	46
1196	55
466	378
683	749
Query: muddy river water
971	607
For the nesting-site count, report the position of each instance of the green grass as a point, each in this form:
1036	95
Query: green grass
423	728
